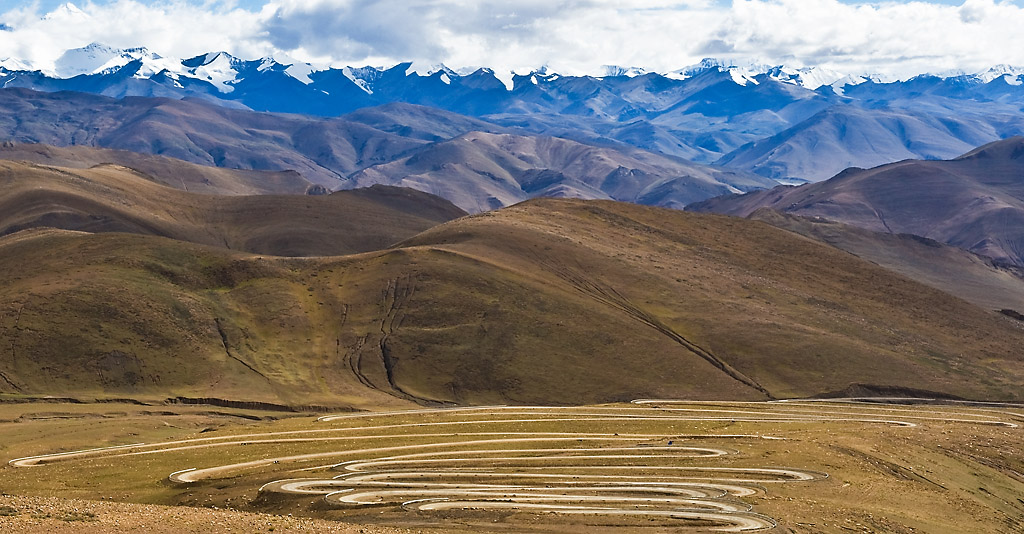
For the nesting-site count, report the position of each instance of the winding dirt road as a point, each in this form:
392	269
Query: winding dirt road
480	458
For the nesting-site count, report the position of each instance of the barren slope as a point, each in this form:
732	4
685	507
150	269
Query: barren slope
550	301
975	202
974	278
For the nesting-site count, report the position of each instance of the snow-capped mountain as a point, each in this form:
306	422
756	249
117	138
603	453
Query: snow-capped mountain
222	72
775	120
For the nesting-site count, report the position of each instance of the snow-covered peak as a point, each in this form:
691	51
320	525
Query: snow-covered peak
706	64
466	71
217	68
616	70
840	85
424	69
98	58
90	59
15	64
362	77
65	10
542	74
741	74
809	77
299	70
1011	74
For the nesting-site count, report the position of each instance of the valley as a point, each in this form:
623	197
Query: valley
550	295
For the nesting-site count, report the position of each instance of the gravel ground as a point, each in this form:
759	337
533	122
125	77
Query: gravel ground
54	515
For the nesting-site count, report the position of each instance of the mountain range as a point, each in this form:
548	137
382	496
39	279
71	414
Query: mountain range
477	165
784	123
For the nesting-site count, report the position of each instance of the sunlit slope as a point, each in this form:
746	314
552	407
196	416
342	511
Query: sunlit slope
129	315
113	198
171	172
550	301
793	316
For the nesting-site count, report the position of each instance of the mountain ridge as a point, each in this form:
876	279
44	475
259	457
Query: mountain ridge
325	151
713	111
975	201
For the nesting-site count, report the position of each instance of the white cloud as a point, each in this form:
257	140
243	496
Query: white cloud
570	36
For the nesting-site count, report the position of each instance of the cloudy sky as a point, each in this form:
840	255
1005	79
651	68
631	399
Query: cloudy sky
899	38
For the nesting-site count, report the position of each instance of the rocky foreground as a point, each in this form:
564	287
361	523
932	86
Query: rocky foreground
49	515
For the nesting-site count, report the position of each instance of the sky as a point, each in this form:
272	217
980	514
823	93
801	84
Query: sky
897	38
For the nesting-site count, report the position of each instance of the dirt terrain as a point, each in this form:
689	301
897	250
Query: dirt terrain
649	466
53	515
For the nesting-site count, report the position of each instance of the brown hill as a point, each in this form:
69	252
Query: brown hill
167	171
110	198
550	301
975	202
976	279
482	171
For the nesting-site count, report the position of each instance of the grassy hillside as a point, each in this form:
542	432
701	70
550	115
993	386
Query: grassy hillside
111	198
549	301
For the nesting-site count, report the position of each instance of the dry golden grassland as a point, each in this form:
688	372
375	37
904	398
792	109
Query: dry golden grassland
548	302
658	466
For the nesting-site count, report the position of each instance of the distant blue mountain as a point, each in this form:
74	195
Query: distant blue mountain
786	124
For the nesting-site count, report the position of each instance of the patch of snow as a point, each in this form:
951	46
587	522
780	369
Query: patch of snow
153	64
742	76
506	78
809	77
629	72
840	85
359	77
88	60
1001	71
706	64
266	64
218	69
421	69
14	64
299	70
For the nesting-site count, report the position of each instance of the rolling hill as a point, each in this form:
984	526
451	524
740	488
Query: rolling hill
976	279
112	198
549	301
481	171
975	202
